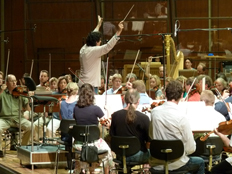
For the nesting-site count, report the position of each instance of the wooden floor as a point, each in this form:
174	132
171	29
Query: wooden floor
10	160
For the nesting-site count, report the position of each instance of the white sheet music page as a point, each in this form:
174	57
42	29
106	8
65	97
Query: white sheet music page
196	114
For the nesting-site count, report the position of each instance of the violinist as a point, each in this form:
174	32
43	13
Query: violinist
213	117
55	120
66	112
101	89
53	84
132	77
182	80
9	114
222	87
129	122
155	85
116	84
69	77
224	166
194	94
208	82
167	123
43	78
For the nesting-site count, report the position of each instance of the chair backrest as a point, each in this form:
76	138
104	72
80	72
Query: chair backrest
65	123
132	141
202	146
79	132
156	146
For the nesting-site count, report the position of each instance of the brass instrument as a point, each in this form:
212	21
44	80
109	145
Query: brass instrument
178	62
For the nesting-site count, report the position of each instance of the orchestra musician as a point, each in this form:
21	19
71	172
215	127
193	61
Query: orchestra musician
194	94
55	121
86	113
101	89
222	87
132	77
129	122
213	117
116	84
167	123
66	112
53	84
224	166
9	114
90	55
43	78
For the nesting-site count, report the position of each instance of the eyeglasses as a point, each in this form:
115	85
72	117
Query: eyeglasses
12	81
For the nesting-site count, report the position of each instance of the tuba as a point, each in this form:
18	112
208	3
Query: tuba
175	62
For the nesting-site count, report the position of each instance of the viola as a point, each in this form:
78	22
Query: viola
224	127
46	84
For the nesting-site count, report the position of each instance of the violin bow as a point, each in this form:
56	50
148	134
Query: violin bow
32	63
50	65
227	106
7	64
106	79
75	74
128	12
190	89
133	65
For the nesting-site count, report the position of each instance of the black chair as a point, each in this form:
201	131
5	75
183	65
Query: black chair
166	150
210	150
10	134
124	147
80	134
66	140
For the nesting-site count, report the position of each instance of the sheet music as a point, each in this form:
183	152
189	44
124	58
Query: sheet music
196	114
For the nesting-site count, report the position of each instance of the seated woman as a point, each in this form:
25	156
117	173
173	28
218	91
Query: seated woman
222	87
86	113
129	122
188	63
155	85
66	112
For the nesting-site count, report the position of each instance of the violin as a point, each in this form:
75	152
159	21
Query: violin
20	90
46	84
104	122
224	127
101	91
192	92
63	97
153	105
121	90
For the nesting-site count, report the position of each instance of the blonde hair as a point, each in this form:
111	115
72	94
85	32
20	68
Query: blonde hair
53	79
139	85
208	97
117	76
72	88
157	79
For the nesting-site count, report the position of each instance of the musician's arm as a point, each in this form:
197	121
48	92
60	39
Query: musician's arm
147	73
100	20
227	142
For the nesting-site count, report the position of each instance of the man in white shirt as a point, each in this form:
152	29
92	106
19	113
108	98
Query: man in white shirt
167	123
90	56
